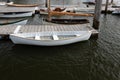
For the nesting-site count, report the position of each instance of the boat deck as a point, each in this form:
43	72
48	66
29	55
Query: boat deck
6	30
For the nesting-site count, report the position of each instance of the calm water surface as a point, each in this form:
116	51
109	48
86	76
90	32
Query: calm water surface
89	60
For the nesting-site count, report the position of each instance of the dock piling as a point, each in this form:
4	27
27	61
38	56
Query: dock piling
106	6
97	14
48	5
111	1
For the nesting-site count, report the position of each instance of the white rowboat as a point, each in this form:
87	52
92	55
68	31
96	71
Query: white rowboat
50	38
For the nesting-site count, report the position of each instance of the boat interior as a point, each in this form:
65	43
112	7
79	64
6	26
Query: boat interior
69	21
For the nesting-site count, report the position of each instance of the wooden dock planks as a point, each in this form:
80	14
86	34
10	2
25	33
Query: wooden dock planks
6	30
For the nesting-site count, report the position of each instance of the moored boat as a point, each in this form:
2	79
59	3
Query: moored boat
69	21
15	14
50	38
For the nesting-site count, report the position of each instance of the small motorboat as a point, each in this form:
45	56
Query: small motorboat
69	21
13	21
15	14
23	5
50	38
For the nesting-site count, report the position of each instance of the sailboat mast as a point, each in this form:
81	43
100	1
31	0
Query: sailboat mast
48	6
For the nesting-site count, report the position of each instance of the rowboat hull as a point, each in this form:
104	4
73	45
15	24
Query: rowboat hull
15	14
22	38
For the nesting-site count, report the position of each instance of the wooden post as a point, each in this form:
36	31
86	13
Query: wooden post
97	14
106	6
48	5
111	1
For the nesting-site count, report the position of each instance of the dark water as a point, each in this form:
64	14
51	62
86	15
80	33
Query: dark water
90	60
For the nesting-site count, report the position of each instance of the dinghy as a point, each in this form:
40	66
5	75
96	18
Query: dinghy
13	21
15	14
50	38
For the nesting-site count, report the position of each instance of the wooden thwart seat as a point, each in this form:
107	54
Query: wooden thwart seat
77	35
37	37
55	37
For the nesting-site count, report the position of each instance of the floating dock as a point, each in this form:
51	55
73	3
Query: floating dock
5	31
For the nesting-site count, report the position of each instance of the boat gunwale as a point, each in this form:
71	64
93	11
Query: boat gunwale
50	35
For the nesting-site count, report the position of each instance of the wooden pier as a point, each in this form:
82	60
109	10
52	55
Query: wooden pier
5	31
